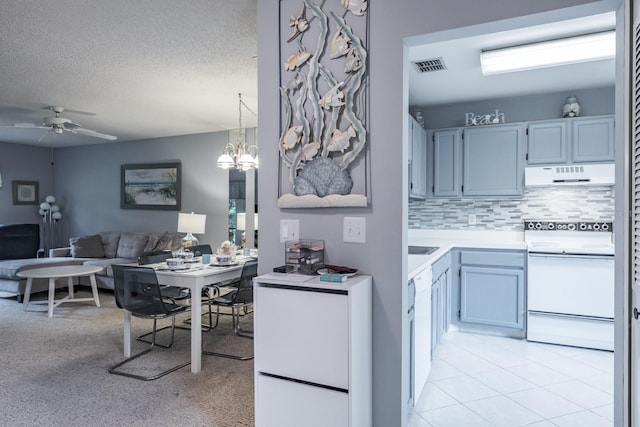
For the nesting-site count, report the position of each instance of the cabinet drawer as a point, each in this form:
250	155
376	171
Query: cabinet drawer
286	403
501	259
302	334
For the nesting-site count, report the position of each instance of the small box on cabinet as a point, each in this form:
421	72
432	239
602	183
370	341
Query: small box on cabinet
305	256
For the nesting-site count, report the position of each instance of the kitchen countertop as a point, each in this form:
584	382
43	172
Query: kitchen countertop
449	239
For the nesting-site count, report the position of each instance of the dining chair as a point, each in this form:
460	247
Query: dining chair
240	298
138	292
198	250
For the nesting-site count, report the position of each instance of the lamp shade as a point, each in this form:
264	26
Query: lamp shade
191	223
241	221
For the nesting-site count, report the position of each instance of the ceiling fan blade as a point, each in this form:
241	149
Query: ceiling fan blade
28	126
68	110
70	126
90	132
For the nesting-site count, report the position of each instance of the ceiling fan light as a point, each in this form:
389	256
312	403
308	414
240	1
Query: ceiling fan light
572	50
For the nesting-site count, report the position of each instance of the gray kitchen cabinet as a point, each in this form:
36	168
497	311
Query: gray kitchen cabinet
575	140
447	163
547	142
417	160
492	289
493	161
440	300
592	139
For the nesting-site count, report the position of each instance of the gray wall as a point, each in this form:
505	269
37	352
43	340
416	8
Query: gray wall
23	163
88	185
390	23
593	102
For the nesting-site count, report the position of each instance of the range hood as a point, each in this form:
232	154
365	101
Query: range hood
565	175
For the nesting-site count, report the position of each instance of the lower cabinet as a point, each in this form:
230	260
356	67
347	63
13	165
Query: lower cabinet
313	352
492	289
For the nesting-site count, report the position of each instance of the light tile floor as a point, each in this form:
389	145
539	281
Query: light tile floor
479	380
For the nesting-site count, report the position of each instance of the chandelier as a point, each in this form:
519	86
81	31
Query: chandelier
239	156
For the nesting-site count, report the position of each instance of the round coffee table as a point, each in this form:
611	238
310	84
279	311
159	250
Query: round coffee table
54	272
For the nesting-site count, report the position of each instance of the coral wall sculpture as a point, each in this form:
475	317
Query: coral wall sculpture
324	99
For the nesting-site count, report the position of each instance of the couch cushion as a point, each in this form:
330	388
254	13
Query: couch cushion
9	268
86	247
106	263
131	245
110	242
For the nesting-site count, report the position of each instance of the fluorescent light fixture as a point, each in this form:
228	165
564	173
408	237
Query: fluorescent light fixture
572	50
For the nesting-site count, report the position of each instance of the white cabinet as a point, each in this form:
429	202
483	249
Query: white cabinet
313	354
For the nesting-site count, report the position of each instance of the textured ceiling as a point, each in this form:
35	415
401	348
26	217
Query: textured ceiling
143	68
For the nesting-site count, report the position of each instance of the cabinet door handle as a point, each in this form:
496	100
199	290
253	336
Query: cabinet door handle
636	314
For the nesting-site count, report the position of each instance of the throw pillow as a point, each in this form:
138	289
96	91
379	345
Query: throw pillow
131	245
164	243
110	243
86	247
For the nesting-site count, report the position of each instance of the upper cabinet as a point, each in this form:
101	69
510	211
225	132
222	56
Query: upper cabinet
576	140
417	160
547	142
478	161
592	139
493	161
447	165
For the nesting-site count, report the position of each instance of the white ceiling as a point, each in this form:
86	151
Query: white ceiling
463	80
144	68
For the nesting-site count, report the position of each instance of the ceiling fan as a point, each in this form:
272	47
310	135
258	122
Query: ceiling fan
59	124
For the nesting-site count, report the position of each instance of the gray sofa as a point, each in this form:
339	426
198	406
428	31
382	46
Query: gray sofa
103	249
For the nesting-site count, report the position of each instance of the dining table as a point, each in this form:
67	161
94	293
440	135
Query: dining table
195	277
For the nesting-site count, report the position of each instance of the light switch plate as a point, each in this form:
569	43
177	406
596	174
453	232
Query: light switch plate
289	230
354	230
472	219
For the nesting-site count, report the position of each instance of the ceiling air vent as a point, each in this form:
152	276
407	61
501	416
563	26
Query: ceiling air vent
428	65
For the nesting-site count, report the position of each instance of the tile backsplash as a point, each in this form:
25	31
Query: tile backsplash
557	203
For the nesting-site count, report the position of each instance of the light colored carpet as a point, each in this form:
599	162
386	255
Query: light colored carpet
53	372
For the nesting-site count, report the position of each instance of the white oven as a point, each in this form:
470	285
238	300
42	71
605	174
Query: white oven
570	283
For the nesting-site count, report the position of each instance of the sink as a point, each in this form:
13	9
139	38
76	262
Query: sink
422	250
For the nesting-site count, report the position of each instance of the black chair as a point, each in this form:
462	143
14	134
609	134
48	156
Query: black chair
173	292
137	291
240	298
198	250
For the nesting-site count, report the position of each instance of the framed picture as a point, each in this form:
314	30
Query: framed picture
151	186
25	192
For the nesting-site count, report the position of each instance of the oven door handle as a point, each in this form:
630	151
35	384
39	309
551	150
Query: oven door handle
563	315
555	255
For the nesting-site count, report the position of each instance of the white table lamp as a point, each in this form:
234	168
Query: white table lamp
191	223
